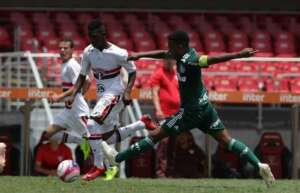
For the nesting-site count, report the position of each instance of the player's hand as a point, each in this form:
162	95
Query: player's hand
53	98
69	101
133	56
159	115
247	52
127	98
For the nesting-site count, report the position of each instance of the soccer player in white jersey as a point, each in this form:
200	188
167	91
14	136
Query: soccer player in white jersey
105	60
70	125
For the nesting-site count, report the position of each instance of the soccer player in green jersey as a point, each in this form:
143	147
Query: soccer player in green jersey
196	111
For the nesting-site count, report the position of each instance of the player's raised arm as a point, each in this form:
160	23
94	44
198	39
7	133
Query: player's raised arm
155	54
205	61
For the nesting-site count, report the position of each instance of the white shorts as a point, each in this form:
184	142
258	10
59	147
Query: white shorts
107	110
73	124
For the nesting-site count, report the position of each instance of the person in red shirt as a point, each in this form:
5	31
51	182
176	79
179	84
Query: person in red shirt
165	94
49	155
165	91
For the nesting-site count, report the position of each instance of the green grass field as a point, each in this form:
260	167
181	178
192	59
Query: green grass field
53	185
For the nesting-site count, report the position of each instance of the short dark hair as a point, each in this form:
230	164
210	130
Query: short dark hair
95	25
68	40
180	37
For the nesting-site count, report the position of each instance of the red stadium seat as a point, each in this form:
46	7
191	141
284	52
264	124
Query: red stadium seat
144	45
246	67
83	18
213	36
215	46
238	36
277	85
248	85
263	47
285	47
79	43
224	84
124	43
284	36
5	41
295	85
51	43
261	36
271	149
117	34
237	45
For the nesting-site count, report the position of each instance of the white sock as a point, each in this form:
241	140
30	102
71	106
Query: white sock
94	130
125	132
64	137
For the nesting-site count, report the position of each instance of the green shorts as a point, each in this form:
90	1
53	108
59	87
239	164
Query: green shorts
204	118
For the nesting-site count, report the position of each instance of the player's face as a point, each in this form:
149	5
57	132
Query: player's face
175	49
97	38
65	51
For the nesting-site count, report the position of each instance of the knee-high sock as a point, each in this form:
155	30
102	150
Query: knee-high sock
64	137
126	131
94	129
135	149
243	151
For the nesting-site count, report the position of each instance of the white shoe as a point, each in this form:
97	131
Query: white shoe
110	153
266	173
2	156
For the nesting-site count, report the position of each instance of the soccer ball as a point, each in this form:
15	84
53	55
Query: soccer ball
68	171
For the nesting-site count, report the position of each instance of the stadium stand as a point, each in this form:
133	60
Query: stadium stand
210	33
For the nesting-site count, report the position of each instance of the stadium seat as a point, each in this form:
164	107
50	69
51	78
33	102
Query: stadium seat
51	43
245	67
237	45
261	36
264	47
270	150
248	84
215	46
208	82
224	84
277	85
5	41
124	43
295	85
83	18
284	47
144	45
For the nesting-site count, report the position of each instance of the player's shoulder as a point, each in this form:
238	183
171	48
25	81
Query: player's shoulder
88	49
73	63
117	50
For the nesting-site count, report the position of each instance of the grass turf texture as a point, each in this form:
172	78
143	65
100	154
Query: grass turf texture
53	185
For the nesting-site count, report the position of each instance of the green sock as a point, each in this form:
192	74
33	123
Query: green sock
243	151
135	149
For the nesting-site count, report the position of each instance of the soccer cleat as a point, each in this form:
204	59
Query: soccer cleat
150	125
266	173
2	156
111	173
93	173
110	153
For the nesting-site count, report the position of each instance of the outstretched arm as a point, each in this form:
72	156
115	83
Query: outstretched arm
205	61
155	54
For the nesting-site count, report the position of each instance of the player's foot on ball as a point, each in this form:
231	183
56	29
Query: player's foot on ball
150	125
93	173
266	173
2	156
111	173
110	153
